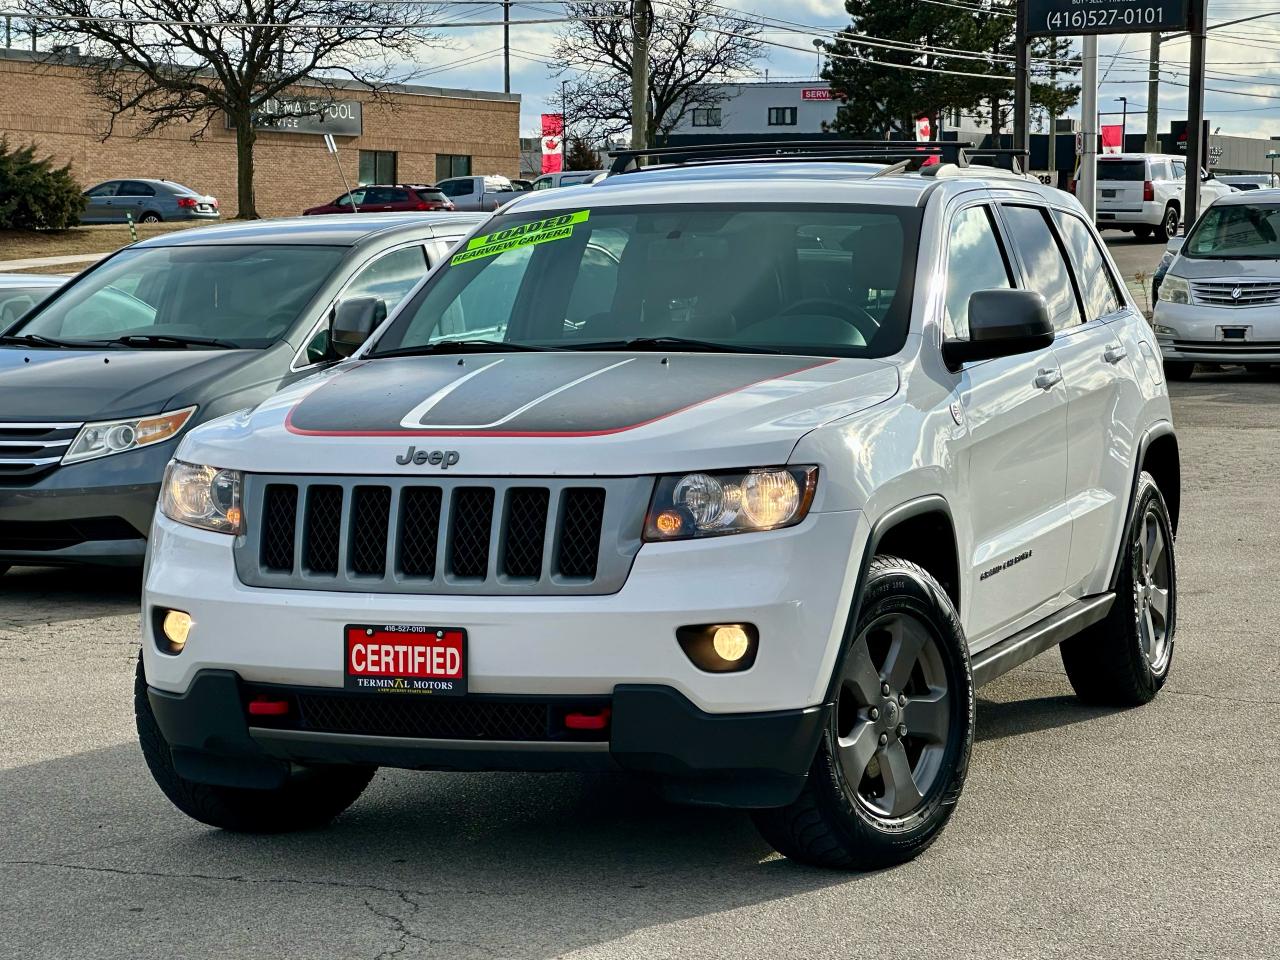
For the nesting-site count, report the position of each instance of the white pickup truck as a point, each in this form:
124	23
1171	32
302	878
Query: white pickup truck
485	194
744	491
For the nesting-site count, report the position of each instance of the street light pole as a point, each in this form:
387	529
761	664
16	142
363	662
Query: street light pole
1124	120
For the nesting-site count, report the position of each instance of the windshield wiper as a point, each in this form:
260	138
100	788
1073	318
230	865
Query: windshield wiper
168	340
40	340
459	346
672	343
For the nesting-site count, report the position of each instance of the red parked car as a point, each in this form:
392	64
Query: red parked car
381	198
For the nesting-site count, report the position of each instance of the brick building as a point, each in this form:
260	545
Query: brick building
421	135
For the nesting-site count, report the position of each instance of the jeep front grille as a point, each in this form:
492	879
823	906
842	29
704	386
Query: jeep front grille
28	451
441	536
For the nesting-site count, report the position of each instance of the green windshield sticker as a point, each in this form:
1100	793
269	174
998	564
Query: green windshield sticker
525	235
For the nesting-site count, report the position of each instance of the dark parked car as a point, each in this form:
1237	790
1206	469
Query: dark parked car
19	292
98	383
378	198
146	201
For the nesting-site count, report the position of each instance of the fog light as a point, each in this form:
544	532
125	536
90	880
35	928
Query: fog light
176	627
720	647
731	643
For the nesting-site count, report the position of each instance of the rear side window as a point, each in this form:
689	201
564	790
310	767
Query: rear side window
390	277
132	188
1128	170
1097	285
1046	270
974	262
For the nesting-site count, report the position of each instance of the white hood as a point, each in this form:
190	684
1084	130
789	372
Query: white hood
544	414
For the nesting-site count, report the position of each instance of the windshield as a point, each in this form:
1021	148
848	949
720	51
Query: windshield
1130	170
820	280
1236	231
245	296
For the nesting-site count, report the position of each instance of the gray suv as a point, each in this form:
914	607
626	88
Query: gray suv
99	382
146	201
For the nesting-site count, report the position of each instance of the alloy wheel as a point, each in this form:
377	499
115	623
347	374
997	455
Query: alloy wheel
893	715
1152	595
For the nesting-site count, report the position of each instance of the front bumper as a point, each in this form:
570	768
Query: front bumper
1197	333
98	511
795	585
742	760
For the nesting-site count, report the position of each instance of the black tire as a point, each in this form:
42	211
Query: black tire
309	799
1178	370
1113	663
1169	222
836	823
149	217
1143	233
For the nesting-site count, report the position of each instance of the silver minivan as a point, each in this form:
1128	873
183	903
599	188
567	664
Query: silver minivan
1219	301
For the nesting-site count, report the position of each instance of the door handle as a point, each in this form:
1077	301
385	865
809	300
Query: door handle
1114	353
1045	379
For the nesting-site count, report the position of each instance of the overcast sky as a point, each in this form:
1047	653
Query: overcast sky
1244	62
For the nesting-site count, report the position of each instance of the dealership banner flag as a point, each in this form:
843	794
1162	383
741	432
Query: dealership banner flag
1112	138
552	142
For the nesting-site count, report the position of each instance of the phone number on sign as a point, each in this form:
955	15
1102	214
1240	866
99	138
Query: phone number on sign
1062	20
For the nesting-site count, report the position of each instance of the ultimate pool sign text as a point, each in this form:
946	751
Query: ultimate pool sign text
1077	17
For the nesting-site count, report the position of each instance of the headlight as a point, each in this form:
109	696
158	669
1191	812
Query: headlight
743	501
1175	289
204	497
1163	331
116	436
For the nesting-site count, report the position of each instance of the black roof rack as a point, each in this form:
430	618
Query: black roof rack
958	152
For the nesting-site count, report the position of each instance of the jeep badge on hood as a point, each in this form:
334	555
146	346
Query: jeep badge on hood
444	459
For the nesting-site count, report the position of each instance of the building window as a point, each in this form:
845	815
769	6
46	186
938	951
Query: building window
452	165
782	116
706	116
377	166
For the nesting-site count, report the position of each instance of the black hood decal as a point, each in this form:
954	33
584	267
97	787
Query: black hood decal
526	394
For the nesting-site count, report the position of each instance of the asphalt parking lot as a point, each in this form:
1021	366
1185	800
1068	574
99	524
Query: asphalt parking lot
1082	832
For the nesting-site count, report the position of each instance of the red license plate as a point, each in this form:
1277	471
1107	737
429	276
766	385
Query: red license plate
406	659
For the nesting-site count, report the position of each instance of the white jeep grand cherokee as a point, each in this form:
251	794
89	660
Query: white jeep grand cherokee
741	490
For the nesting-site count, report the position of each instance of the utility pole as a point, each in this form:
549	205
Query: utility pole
1053	117
1124	121
1196	147
506	46
1021	82
1087	193
1153	95
641	24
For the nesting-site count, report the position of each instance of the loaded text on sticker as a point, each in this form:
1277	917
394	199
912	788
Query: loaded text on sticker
522	235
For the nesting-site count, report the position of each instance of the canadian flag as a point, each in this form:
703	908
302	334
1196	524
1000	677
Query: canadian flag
552	142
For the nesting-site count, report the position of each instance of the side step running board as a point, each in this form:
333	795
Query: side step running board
1039	637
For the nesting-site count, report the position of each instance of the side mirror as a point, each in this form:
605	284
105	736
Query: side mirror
352	321
1175	244
1001	323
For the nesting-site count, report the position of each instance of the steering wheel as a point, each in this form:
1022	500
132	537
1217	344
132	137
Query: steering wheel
866	325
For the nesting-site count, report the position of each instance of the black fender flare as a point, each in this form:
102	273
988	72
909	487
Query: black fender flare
1161	428
931	503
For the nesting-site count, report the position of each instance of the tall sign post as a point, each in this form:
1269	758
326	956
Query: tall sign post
1068	18
1022	83
1197	147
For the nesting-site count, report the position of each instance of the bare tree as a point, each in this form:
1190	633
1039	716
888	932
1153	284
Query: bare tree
159	62
694	45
